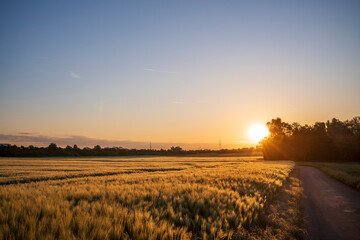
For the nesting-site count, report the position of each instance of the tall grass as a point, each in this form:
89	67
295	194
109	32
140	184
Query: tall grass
348	173
193	199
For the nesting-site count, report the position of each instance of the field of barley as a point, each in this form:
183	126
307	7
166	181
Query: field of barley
135	197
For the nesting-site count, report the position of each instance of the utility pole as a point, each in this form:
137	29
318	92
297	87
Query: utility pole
150	145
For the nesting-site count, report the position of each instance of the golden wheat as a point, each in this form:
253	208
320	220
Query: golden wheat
137	198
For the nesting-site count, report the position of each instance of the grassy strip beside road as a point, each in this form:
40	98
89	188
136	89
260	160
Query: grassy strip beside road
348	173
283	217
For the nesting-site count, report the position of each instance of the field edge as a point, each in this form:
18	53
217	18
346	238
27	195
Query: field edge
283	217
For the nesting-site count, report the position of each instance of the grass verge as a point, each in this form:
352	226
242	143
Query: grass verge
348	173
283	217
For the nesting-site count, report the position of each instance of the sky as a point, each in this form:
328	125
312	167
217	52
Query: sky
173	72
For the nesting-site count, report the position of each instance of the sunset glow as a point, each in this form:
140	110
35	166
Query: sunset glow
179	119
257	132
173	73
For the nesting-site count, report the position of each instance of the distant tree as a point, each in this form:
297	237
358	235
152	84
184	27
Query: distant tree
176	149
97	148
68	148
52	146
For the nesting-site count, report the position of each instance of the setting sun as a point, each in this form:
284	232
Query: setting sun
257	132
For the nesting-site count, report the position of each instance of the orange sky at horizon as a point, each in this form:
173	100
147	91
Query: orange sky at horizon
174	72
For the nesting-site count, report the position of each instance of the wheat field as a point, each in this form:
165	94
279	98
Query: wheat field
135	198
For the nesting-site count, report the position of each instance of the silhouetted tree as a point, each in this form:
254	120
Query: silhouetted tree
52	146
330	141
176	149
97	148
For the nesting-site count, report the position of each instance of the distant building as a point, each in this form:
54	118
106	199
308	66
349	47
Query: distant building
4	145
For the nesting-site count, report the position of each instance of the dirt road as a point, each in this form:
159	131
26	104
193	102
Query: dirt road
332	209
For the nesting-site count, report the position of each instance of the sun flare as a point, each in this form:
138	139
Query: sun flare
257	132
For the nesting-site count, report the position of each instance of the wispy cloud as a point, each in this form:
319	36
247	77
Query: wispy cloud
156	70
83	141
42	140
177	102
26	133
42	58
189	102
74	75
45	58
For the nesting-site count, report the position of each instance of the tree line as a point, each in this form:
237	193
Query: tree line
54	151
333	140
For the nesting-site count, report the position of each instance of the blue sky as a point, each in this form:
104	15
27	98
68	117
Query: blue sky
175	71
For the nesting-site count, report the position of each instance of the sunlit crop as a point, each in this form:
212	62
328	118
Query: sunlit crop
135	198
